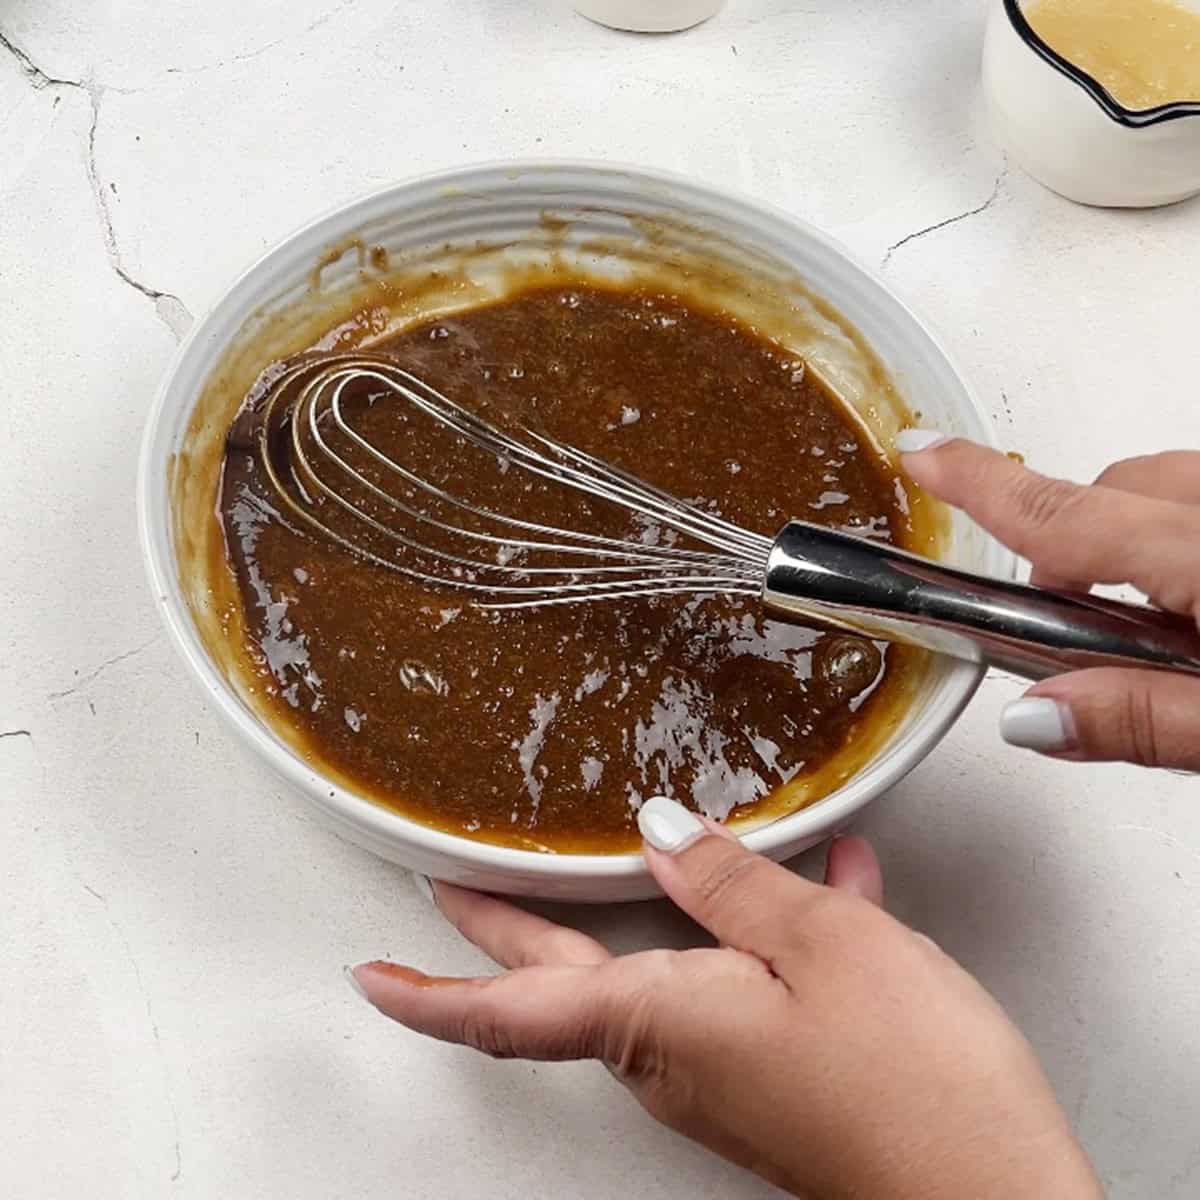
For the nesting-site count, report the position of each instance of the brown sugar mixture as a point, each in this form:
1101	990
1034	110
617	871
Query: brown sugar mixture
546	729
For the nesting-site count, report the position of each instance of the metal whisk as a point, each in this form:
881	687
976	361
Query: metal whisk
312	434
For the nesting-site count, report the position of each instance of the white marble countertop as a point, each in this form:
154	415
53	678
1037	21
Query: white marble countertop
172	1017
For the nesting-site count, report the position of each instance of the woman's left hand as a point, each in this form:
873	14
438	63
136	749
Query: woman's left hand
824	1045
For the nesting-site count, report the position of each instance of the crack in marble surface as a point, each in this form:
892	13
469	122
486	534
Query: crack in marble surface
42	79
12	733
170	308
98	671
971	212
154	1031
250	55
36	76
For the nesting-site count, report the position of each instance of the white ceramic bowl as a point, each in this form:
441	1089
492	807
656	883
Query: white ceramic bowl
652	215
1070	134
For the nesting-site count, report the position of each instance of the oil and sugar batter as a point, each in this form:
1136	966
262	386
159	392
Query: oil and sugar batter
546	729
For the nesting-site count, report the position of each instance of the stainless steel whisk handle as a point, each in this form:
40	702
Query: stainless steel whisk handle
877	590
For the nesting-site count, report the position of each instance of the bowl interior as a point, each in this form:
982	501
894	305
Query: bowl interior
455	240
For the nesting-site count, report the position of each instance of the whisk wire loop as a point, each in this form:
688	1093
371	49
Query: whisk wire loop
311	401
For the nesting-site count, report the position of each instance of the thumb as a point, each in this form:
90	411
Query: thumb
744	900
1106	714
547	1013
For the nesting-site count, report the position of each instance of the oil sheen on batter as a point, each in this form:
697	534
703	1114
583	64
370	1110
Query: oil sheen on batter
547	729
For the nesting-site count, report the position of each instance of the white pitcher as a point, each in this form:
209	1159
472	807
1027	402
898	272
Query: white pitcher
1068	132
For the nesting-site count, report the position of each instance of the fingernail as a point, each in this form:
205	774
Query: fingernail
668	826
1038	723
352	980
424	885
910	441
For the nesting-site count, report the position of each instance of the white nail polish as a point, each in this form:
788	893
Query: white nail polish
1038	723
910	441
424	885
352	980
668	826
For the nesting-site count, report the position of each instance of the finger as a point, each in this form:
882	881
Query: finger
1147	717
851	866
1072	534
552	1014
1172	475
746	901
510	935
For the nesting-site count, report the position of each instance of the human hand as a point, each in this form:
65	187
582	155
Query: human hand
823	1045
1139	523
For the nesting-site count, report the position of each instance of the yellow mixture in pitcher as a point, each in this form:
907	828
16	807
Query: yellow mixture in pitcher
1144	52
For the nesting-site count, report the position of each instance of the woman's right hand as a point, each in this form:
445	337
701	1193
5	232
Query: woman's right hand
1139	524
